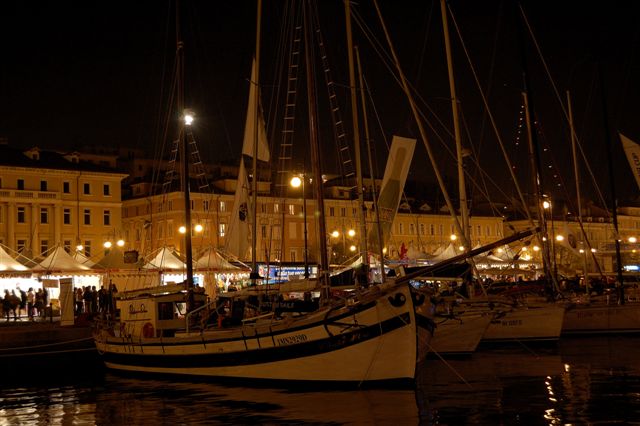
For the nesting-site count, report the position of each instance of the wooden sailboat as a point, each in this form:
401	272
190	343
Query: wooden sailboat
364	338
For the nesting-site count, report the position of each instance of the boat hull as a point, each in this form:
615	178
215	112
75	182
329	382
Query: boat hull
602	319
373	340
533	323
460	334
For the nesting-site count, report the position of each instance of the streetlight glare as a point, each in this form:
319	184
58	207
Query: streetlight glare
559	237
546	204
335	234
351	233
296	182
107	244
188	118
352	248
120	243
453	237
198	228
632	239
182	230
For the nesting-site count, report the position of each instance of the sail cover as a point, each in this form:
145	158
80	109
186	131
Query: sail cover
632	151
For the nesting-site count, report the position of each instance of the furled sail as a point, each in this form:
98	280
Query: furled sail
237	237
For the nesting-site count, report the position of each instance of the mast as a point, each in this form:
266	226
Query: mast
184	128
356	139
373	186
614	199
576	175
254	181
462	190
416	115
323	265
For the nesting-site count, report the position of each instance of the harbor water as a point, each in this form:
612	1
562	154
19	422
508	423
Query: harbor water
588	380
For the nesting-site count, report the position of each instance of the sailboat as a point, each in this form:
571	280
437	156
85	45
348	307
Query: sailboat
366	337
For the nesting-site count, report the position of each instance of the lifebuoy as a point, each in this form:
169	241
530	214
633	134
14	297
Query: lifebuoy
147	330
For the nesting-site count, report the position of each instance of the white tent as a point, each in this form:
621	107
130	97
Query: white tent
8	263
80	257
211	259
447	253
59	260
165	259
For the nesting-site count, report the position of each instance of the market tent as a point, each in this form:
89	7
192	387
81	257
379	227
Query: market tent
114	260
8	263
447	253
80	257
211	259
165	259
59	260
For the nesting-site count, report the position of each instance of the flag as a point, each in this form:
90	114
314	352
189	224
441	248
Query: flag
632	151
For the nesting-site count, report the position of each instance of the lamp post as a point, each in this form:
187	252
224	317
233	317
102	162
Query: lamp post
296	182
546	205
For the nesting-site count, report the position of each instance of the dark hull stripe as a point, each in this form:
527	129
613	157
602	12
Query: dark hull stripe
199	340
260	356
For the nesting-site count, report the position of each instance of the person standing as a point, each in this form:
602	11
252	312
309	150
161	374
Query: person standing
31	303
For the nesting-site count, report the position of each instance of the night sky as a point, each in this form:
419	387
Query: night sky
77	73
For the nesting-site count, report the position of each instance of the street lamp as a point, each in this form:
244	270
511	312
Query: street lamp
296	182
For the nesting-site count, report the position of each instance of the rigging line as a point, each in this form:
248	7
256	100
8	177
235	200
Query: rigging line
557	94
491	118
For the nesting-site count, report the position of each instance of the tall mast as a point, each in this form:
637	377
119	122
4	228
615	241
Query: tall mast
254	182
184	123
323	266
614	198
416	115
462	190
356	138
373	186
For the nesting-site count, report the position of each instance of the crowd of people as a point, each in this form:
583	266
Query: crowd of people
30	303
90	301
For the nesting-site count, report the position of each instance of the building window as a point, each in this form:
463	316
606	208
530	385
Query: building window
401	228
22	215
332	211
21	245
106	218
441	229
193	204
292	209
222	229
263	229
66	187
422	229
292	253
479	228
21	184
276	207
343	211
106	190
87	248
66	244
44	215
86	189
87	216
44	247
43	185
66	216
205	205
412	229
223	206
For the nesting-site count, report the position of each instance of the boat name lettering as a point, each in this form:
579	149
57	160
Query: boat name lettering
133	310
292	340
512	322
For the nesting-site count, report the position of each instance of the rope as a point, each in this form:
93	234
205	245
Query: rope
47	344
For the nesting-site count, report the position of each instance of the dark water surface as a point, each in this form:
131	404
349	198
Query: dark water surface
579	381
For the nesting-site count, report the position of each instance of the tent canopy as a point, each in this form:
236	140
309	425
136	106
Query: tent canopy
8	263
164	259
212	259
59	260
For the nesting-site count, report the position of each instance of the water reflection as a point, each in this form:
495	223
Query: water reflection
581	381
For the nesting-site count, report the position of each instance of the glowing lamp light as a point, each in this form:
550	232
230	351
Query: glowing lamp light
335	234
546	204
120	243
559	237
79	247
351	233
296	182
107	244
536	248
188	118
384	250
453	237
633	239
182	229
593	250
352	248
198	228
581	250
461	248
